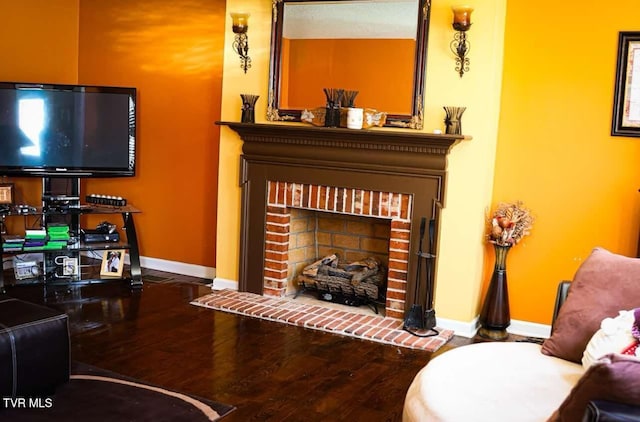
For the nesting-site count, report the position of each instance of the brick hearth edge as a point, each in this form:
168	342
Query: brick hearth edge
367	327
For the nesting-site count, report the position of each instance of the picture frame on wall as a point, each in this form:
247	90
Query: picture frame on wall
112	263
626	103
7	194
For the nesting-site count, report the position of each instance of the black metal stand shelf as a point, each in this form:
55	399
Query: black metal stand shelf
75	210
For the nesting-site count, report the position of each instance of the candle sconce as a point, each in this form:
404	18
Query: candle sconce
460	46
240	26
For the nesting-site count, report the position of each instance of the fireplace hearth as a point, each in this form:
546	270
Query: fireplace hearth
368	173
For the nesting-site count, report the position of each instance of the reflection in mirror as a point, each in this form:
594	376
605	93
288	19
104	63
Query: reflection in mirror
375	47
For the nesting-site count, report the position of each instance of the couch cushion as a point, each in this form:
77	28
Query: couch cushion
615	378
604	284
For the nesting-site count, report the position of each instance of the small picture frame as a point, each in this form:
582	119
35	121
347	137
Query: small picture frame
70	267
7	194
112	263
626	104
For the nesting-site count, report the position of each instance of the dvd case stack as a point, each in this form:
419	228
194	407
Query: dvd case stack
57	236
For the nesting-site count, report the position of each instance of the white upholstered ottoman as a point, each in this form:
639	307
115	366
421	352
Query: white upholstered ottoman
490	382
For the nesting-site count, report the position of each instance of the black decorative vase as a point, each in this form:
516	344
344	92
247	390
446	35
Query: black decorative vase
334	97
248	115
248	108
332	116
495	316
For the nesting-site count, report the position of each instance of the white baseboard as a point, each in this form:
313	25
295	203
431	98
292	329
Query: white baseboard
177	267
529	329
521	328
461	328
223	283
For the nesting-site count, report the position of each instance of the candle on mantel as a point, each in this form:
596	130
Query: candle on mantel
462	17
240	22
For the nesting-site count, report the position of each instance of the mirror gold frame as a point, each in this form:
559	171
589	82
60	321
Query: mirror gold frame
412	121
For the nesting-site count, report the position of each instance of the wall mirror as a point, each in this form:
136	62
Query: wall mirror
376	47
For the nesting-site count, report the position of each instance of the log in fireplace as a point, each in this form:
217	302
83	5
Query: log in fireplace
381	173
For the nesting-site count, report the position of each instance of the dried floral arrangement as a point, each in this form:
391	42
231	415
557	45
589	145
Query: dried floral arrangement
509	223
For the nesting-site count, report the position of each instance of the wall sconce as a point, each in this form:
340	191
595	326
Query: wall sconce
241	40
460	46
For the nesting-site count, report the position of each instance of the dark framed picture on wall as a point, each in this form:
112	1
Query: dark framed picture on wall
626	103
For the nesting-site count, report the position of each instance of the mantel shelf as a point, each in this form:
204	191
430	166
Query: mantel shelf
379	139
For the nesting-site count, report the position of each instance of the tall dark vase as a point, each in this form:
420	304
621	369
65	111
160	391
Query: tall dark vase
495	316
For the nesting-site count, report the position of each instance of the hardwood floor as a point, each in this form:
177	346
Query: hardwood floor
269	371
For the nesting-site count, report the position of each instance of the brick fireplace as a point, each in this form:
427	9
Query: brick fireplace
395	207
394	175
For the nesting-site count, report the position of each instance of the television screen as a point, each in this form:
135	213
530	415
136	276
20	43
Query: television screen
67	130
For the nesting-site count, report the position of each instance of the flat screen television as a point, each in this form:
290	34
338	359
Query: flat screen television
51	130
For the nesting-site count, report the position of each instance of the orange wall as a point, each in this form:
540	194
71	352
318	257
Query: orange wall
554	149
172	53
39	42
342	63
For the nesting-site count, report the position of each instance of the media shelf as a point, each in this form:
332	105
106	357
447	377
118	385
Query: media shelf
72	210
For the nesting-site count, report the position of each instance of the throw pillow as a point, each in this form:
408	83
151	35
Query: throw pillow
604	283
614	378
616	335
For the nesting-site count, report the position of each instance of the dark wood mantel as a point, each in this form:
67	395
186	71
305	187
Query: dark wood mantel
384	160
358	148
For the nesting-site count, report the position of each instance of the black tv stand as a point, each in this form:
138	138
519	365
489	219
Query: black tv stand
68	212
